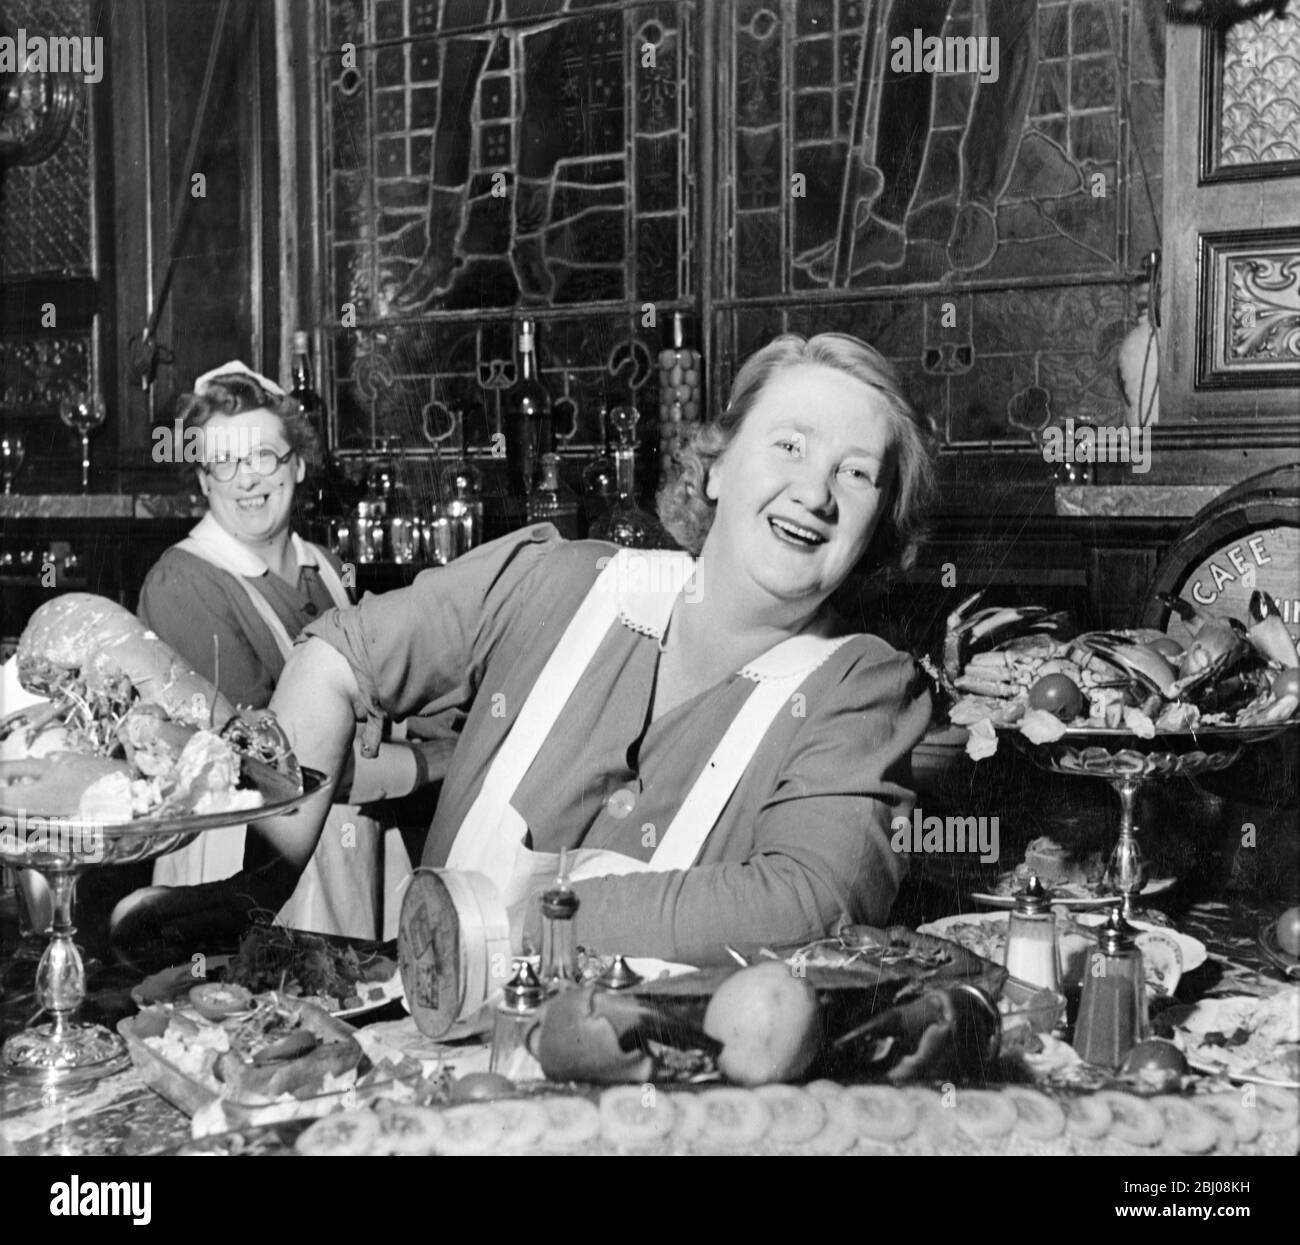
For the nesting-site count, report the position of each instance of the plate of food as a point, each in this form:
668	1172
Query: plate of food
1243	1037
1075	878
1166	954
277	1058
343	977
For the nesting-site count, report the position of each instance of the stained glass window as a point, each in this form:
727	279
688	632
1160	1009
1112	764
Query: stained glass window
485	158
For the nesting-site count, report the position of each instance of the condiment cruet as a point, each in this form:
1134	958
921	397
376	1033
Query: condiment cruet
1032	955
1113	1010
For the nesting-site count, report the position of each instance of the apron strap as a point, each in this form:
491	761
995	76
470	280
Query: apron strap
699	811
549	695
489	836
330	578
279	632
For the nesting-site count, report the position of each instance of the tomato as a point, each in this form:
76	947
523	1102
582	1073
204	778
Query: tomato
214	1001
481	1087
1057	694
1287	683
1168	648
1288	931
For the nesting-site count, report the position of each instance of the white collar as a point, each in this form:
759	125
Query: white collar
648	582
238	557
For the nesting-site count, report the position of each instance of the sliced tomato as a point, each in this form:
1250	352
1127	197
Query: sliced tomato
215	1001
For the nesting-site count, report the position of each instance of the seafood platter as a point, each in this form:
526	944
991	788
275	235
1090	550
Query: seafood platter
122	753
1016	670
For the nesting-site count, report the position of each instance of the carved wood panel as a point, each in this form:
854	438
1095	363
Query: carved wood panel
1250	307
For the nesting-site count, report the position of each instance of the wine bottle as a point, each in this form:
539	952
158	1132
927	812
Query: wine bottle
550	500
528	430
326	499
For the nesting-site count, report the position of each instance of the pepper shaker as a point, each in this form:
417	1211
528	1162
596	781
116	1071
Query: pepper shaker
1113	1010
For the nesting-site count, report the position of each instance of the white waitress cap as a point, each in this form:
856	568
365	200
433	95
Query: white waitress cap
241	369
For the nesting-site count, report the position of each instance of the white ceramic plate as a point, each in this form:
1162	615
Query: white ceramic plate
1272	1023
985	933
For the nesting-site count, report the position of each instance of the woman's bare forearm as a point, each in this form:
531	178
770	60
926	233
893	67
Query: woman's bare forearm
313	702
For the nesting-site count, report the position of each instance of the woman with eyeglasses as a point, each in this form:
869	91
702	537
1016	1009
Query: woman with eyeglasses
231	598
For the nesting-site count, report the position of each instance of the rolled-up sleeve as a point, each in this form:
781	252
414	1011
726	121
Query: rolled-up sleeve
423	649
821	842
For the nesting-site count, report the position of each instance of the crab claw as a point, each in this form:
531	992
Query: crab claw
988	626
32	718
958	615
1144	665
1268	633
593	1035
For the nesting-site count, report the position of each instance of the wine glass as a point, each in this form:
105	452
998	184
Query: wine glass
12	453
83	413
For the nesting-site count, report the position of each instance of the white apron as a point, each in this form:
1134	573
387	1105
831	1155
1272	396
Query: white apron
348	887
490	840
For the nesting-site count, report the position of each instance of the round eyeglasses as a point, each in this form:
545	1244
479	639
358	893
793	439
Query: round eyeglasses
264	461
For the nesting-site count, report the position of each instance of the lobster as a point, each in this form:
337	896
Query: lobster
119	694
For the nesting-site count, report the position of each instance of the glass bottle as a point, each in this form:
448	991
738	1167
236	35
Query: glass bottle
324	502
559	965
516	1017
1113	1010
381	478
550	500
1032	954
599	481
460	488
626	523
529	433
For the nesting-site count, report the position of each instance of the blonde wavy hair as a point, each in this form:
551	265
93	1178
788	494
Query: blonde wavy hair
686	511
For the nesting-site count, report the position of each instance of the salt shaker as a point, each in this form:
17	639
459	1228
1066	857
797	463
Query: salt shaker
1113	1010
516	1016
1032	954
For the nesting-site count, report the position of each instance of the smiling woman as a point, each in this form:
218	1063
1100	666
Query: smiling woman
232	597
720	762
789	383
